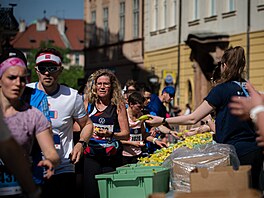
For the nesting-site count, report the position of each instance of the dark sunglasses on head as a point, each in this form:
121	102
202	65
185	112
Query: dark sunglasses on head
49	69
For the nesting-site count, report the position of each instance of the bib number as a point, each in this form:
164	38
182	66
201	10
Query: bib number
135	137
8	182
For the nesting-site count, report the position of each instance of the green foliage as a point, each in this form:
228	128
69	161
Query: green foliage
69	76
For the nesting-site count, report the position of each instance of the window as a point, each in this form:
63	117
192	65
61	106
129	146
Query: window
136	18
105	18
212	11
229	9
77	59
194	14
93	27
156	15
93	21
122	21
231	5
174	12
195	9
165	13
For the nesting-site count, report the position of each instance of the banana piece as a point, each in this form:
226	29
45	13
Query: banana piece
144	117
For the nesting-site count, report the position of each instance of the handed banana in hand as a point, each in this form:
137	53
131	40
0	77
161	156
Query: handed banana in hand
144	117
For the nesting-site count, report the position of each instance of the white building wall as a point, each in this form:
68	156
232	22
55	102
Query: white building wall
223	22
160	37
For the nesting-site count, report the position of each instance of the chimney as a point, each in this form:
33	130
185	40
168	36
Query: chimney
61	26
54	20
22	26
41	25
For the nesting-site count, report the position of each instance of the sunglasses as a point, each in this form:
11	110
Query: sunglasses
49	69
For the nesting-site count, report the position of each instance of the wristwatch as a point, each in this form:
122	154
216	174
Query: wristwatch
84	144
164	121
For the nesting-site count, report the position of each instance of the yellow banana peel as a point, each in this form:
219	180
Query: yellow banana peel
143	118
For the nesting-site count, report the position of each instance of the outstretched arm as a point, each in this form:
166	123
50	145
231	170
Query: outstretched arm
199	113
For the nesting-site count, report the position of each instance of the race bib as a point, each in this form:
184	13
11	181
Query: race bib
109	127
135	137
8	182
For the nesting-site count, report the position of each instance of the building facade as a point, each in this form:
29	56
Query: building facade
186	38
114	37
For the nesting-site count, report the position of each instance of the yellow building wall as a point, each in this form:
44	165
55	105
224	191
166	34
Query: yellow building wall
164	60
256	67
186	74
167	59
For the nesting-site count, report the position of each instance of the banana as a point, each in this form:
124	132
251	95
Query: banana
144	117
160	155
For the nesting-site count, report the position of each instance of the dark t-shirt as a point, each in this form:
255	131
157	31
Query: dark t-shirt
229	128
156	106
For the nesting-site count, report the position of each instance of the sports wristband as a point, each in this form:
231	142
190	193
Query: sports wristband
84	144
154	140
254	112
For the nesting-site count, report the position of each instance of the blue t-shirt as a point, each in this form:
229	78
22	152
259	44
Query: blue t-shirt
229	128
156	106
38	99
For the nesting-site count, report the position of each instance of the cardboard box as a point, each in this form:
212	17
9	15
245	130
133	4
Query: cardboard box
220	179
221	182
248	193
182	168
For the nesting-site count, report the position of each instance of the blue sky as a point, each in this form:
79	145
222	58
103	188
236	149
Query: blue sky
31	10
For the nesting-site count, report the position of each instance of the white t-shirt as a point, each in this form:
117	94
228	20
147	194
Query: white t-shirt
64	105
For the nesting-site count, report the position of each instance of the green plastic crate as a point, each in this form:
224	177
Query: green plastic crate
133	181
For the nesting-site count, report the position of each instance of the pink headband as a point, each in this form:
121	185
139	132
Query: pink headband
14	61
47	57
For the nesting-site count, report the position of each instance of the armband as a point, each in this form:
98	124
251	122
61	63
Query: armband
255	111
154	140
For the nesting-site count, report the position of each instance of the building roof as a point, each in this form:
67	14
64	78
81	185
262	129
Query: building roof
72	37
75	33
